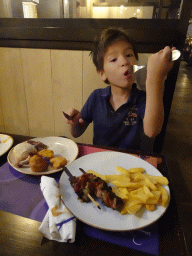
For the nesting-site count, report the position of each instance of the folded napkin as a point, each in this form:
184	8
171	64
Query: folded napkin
58	224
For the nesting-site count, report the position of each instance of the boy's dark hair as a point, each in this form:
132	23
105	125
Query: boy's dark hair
104	40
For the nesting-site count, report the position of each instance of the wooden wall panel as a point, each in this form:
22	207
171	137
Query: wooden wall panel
67	87
2	125
12	92
37	79
44	83
91	81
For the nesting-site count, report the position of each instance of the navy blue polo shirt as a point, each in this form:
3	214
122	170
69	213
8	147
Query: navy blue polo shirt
121	128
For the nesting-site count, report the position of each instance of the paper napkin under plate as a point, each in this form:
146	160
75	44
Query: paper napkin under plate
59	224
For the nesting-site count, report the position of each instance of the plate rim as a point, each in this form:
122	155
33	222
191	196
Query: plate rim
9	145
46	172
113	229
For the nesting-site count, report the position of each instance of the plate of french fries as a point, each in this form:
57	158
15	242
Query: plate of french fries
143	188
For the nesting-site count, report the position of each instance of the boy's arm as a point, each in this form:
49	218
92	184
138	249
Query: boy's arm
159	65
77	125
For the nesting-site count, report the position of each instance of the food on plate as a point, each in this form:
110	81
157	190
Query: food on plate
164	195
129	171
97	174
37	163
37	156
112	177
137	189
150	207
93	185
4	140
58	162
119	193
47	153
22	151
37	144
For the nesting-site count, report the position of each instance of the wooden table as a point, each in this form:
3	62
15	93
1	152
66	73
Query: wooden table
20	236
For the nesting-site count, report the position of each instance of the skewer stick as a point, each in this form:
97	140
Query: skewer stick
82	170
90	197
95	203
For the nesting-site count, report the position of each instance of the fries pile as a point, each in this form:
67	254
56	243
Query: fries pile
137	188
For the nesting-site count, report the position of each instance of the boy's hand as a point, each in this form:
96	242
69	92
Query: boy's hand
75	116
159	64
77	125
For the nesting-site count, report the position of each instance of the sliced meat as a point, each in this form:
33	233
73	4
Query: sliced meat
96	187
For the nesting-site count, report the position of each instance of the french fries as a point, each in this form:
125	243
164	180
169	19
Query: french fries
120	193
132	206
97	174
164	195
123	171
122	177
137	188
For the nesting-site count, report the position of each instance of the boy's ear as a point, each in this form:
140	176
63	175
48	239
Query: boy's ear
102	75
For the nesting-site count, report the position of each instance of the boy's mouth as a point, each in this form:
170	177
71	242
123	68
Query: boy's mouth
127	73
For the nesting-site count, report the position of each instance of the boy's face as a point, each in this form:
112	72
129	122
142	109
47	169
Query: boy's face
117	60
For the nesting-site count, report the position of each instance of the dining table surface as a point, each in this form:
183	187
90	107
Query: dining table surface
22	208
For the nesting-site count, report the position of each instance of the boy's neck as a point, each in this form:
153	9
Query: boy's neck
119	96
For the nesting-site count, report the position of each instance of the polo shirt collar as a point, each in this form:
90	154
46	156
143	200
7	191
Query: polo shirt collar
106	92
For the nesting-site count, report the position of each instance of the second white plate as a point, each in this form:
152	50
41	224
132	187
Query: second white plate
61	147
6	143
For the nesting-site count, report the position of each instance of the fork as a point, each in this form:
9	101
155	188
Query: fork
175	55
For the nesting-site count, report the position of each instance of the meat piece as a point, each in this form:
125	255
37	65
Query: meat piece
96	187
37	144
22	152
82	187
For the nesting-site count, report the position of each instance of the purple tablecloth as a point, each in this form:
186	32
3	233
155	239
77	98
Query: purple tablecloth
21	195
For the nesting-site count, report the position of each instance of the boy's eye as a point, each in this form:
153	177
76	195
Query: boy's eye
129	55
113	60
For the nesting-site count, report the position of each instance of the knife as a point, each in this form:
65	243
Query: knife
90	197
67	172
67	116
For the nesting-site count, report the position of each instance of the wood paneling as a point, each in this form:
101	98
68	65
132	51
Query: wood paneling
2	125
12	92
38	87
67	86
44	83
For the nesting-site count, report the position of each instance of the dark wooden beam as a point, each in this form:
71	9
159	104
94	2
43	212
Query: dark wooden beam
170	83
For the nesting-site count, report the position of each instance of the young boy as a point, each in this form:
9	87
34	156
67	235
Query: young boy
120	112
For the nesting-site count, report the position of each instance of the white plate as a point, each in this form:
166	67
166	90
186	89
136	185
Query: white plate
61	147
105	163
6	143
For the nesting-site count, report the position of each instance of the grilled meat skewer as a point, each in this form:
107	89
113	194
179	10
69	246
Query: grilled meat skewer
90	184
88	196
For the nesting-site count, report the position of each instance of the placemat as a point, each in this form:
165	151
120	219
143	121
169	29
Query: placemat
21	195
85	150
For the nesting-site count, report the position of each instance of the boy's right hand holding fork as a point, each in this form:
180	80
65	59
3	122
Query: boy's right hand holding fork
77	125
